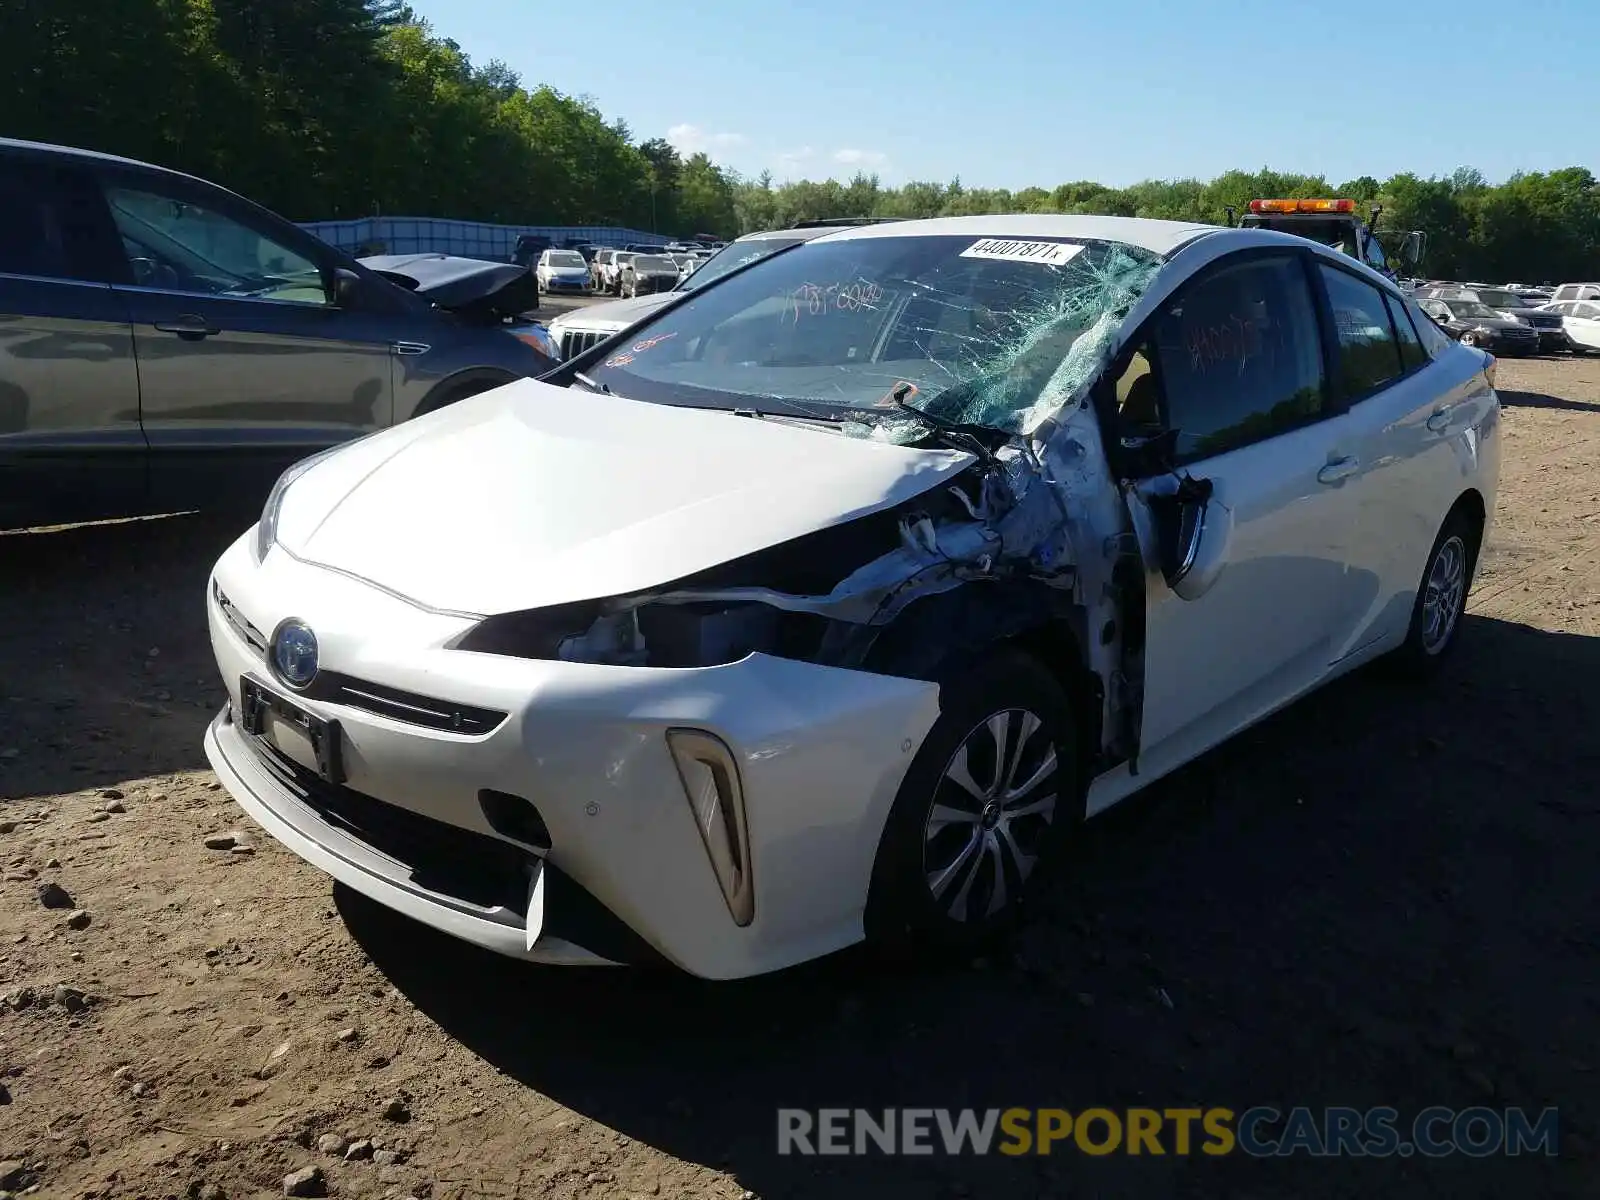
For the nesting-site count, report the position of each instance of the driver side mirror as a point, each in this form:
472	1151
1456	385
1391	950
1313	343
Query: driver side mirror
1193	533
347	288
1411	248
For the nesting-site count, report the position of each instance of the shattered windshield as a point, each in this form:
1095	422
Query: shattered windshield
984	331
654	262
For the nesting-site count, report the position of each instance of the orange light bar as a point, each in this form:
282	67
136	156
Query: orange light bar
1302	206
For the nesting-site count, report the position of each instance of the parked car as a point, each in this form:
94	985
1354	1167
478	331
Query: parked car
647	274
562	271
646	248
827	606
1509	304
597	267
1576	291
611	272
1581	323
1474	323
528	248
170	345
576	331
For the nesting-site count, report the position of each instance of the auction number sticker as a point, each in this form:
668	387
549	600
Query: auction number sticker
1051	254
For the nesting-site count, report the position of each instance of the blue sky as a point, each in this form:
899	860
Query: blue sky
1017	92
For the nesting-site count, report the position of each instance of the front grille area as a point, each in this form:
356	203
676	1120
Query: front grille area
443	858
575	341
410	708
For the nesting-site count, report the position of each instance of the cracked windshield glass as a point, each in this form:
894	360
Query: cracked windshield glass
990	331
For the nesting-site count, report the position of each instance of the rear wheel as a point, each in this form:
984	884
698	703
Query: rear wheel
1441	597
979	811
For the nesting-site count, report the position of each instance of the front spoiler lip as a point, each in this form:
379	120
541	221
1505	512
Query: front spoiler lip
498	930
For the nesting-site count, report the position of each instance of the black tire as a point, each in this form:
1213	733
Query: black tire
1441	597
908	909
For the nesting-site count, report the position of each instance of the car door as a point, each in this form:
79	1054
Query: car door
70	443
245	362
1583	325
1238	396
1403	419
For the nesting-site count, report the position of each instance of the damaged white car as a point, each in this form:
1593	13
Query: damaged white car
825	607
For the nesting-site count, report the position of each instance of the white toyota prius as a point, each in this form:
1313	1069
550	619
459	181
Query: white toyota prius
828	601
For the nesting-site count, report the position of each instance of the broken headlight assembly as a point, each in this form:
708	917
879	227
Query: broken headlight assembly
643	633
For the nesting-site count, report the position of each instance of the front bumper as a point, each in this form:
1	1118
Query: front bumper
567	285
820	753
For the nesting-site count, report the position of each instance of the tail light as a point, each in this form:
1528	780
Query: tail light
710	779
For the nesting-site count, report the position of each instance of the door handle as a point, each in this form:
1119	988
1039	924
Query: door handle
189	327
1439	421
1339	468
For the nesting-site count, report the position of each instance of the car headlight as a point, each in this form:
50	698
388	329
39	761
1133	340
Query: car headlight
536	336
267	527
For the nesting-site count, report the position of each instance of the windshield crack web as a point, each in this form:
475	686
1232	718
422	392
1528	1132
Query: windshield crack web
1029	361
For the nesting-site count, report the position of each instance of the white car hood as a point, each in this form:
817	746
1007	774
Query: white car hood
532	495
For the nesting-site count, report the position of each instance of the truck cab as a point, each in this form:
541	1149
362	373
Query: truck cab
1333	223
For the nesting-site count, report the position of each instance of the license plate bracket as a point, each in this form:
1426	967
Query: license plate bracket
263	712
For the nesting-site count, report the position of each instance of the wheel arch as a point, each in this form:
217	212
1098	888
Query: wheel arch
942	637
1470	506
461	385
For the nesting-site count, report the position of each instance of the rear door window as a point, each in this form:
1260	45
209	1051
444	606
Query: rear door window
1369	357
52	224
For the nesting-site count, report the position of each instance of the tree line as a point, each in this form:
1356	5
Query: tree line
326	109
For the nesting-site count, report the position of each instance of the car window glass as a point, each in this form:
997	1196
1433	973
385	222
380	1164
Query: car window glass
1434	339
1412	353
1368	355
1589	312
180	246
1240	357
33	240
1374	255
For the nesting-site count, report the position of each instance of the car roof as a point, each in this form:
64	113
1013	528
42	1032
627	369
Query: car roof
1159	237
47	150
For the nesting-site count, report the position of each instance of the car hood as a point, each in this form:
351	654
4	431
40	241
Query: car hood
612	316
458	284
532	495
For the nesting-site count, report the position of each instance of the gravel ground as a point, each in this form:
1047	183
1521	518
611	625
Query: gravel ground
1381	896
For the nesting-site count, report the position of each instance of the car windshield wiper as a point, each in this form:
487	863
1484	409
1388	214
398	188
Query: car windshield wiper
593	385
958	435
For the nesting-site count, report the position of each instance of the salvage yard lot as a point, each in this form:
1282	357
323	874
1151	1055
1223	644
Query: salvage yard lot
1382	896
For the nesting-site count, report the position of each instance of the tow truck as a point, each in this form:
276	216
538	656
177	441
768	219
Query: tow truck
1333	223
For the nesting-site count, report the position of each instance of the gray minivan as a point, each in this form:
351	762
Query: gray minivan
166	344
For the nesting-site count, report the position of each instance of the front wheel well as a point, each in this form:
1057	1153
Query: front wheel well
460	386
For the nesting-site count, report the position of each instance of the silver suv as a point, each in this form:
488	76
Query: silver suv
166	344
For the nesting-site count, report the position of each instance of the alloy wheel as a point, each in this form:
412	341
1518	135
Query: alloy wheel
991	809
1443	594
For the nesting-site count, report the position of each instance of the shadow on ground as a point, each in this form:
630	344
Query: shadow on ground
81	609
1541	400
1383	896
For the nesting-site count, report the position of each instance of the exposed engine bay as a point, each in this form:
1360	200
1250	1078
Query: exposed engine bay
1033	535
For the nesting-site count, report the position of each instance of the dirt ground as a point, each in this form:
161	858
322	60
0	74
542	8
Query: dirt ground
1381	896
